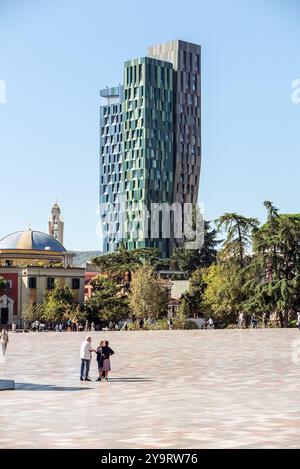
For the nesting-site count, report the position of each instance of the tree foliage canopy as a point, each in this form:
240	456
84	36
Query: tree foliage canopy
2	283
147	297
258	270
108	302
189	260
58	303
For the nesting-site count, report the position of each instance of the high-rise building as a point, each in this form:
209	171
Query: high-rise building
111	167
186	59
56	224
148	146
150	150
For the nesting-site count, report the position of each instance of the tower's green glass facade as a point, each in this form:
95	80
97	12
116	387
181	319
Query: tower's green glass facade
147	133
150	148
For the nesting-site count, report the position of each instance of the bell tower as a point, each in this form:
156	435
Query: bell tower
56	224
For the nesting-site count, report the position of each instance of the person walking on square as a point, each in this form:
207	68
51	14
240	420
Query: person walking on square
210	324
264	319
107	352
253	323
241	322
141	323
86	356
170	323
4	339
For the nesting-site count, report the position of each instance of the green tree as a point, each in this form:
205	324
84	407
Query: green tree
2	283
32	312
275	281
58	303
188	260
191	301
272	211
108	302
79	313
225	291
147	297
181	319
119	265
224	294
257	270
181	315
239	231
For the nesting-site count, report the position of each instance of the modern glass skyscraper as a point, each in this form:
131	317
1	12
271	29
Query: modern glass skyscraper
186	60
111	167
150	144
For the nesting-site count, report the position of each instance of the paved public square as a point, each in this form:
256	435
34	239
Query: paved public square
168	389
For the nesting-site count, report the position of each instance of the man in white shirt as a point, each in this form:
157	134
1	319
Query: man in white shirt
86	356
210	324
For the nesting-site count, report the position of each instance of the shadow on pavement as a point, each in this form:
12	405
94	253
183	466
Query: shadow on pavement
53	387
48	387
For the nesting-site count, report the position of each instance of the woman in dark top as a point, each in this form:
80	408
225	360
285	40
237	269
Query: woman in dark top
106	352
99	359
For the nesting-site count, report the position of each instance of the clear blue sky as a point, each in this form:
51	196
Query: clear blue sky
56	55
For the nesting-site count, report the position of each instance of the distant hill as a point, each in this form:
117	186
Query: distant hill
82	257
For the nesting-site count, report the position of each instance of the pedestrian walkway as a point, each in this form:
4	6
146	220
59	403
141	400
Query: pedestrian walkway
168	389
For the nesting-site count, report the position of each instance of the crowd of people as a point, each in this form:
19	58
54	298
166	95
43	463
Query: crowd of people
76	326
86	326
254	322
265	321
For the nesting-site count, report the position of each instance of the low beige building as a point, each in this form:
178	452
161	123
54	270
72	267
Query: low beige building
31	263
